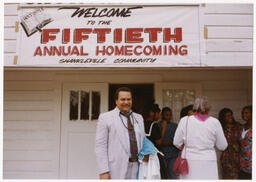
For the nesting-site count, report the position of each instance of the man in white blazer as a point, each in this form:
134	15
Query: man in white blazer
112	144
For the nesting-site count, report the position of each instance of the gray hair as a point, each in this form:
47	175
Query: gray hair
202	105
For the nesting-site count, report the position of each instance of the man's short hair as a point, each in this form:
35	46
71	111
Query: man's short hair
121	89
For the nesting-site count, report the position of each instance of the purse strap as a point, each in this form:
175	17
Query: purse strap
186	138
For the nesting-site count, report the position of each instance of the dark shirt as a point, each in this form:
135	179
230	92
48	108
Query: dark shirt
169	151
155	132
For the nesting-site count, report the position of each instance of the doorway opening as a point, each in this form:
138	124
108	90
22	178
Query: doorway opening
142	96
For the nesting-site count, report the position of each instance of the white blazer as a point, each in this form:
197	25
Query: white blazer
111	146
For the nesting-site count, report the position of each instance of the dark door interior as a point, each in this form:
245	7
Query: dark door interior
143	96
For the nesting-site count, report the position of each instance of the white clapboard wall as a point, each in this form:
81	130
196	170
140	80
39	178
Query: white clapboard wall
228	34
31	126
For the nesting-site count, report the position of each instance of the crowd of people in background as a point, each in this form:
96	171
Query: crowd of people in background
197	136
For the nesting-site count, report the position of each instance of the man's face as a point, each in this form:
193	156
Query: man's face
124	101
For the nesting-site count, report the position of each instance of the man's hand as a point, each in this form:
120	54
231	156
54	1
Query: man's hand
105	175
145	158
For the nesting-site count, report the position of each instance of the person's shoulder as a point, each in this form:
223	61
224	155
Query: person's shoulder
107	113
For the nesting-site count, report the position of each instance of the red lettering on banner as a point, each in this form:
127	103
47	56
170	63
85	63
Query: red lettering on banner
119	51
98	51
133	35
66	35
177	36
153	33
183	51
38	51
136	52
79	34
118	35
101	34
128	50
46	35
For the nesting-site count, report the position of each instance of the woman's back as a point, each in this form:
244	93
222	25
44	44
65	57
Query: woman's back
202	137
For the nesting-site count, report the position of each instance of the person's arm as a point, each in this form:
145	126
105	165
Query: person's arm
221	142
178	140
101	148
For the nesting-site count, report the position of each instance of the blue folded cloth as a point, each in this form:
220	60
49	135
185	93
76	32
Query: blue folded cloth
147	148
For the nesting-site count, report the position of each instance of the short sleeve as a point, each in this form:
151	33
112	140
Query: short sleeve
155	133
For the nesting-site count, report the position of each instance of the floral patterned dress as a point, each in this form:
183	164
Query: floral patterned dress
230	157
246	151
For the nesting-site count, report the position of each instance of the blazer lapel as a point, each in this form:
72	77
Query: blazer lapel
119	129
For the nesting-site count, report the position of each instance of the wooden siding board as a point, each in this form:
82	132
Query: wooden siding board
10	46
28	96
27	125
11	9
229	45
228	20
230	32
27	155
27	166
18	144
24	105
9	59
10	21
9	33
29	135
229	8
30	175
28	85
28	115
229	58
29	75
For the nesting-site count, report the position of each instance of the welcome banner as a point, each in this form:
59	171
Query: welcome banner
109	36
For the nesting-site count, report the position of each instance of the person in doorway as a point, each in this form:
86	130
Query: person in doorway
119	139
245	138
230	157
151	127
186	111
197	136
168	129
153	133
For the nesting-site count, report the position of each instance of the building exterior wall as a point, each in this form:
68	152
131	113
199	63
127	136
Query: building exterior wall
33	96
32	108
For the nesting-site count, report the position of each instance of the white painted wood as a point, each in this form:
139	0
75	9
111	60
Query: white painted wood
29	86
227	20
229	8
29	96
28	125
30	175
78	136
10	21
10	46
18	144
32	155
229	45
31	126
11	9
29	75
229	58
28	115
81	158
9	59
27	165
230	32
9	33
24	105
